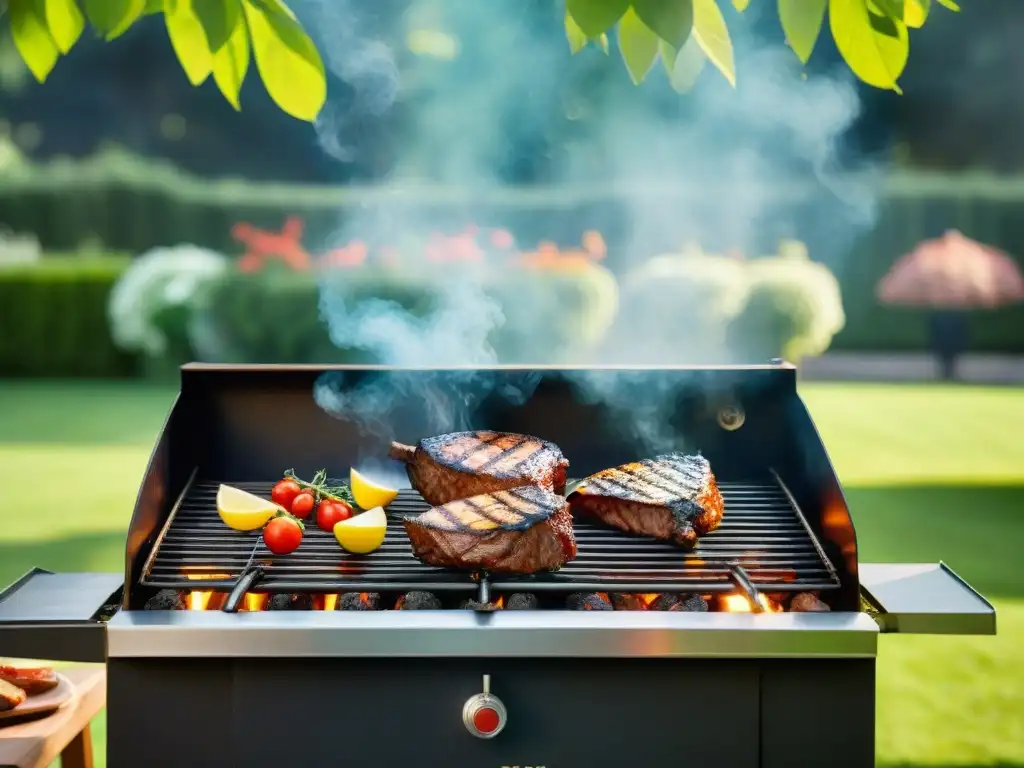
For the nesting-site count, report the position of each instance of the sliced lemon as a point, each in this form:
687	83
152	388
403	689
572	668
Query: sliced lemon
367	493
242	510
363	533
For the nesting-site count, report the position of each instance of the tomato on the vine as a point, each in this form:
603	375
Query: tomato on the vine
303	504
330	512
284	493
282	534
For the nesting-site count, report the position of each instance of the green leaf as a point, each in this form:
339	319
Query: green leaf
218	19
671	20
231	63
713	37
949	4
638	46
894	9
602	43
884	25
596	16
65	22
32	38
189	39
915	12
576	36
875	58
801	22
288	62
684	66
153	6
275	6
740	5
112	18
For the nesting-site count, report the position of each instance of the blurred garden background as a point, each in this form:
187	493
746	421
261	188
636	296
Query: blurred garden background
473	194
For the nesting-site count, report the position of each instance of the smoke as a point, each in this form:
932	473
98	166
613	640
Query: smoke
491	92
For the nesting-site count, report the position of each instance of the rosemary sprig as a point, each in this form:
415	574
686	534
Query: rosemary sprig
321	488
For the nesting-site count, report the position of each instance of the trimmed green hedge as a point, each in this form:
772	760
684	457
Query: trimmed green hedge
53	318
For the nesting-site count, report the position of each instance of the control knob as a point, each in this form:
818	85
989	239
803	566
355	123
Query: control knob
483	714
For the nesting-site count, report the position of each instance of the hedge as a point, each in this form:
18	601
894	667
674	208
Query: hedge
53	318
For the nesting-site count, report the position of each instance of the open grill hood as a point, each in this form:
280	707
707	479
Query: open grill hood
786	522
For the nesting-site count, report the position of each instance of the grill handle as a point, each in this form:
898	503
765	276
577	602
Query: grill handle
245	583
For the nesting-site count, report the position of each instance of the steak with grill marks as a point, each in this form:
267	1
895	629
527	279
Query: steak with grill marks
671	497
522	530
463	464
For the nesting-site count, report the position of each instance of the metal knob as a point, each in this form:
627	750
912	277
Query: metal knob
731	418
483	714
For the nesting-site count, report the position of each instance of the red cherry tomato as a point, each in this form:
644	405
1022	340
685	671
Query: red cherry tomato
284	493
282	534
303	504
329	512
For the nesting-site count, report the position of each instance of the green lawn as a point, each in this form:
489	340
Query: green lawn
930	471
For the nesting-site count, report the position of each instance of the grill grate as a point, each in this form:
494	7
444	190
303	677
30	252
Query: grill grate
762	531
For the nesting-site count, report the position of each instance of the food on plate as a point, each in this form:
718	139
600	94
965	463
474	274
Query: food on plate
303	504
284	492
329	513
290	602
363	533
368	494
167	600
242	510
32	680
463	464
522	530
672	497
283	534
11	696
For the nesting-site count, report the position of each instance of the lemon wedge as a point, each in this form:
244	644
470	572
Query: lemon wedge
367	493
363	533
242	510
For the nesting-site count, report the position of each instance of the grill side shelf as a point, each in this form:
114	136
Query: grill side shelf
761	532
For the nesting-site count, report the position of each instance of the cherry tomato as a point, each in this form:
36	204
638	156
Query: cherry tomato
284	493
282	534
329	512
303	504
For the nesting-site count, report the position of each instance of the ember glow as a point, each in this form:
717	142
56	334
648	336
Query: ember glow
201	599
254	601
742	604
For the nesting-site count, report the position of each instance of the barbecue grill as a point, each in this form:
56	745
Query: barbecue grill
467	682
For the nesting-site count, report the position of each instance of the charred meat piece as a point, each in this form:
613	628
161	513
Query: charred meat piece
671	497
522	530
10	696
32	680
522	601
358	601
418	601
588	601
294	602
167	600
807	602
463	464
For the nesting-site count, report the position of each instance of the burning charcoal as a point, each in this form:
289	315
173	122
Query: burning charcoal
167	600
522	601
476	605
358	601
418	601
807	602
690	604
588	601
294	602
623	602
663	602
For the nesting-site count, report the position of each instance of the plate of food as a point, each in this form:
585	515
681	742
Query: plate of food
32	691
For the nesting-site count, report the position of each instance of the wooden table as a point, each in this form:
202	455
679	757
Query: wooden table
65	733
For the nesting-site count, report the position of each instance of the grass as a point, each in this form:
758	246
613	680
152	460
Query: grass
931	472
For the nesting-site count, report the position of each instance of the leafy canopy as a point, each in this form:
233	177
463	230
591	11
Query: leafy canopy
219	37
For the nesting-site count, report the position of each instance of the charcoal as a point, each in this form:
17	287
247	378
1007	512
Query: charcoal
167	600
690	604
293	602
807	602
522	601
626	602
418	601
588	601
476	605
663	602
359	601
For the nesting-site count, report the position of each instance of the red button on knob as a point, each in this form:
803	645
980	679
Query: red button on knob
486	720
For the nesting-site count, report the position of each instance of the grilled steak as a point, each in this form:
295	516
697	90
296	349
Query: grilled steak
32	680
463	464
672	497
522	530
10	696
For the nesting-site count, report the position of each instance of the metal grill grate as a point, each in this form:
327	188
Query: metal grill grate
762	531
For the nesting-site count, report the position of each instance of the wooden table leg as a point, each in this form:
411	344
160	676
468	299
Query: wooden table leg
78	752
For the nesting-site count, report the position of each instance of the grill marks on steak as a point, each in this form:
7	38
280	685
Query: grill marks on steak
464	464
522	530
672	497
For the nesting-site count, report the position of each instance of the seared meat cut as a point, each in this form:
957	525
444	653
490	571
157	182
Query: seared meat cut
463	464
522	530
32	680
671	497
10	696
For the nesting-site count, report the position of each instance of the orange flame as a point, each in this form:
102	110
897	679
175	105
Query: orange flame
254	601
201	599
330	602
742	604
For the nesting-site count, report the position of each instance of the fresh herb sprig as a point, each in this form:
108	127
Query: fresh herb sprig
322	487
